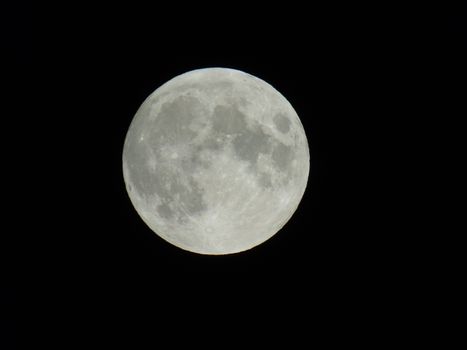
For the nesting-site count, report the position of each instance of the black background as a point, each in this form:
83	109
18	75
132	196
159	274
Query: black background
352	265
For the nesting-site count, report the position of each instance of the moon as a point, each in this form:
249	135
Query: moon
216	161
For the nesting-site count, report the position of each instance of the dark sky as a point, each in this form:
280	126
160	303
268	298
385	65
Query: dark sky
350	264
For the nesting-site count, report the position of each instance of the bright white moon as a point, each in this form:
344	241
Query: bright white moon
216	161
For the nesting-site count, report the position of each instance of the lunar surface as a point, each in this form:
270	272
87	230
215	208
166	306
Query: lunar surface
216	161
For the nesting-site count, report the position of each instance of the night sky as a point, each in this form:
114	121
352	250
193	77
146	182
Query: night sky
351	265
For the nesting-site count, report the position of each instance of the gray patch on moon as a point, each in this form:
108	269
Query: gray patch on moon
228	120
194	160
213	143
250	143
282	156
142	178
165	211
172	124
184	194
264	180
282	123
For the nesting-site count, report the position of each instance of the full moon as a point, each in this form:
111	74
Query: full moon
216	161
